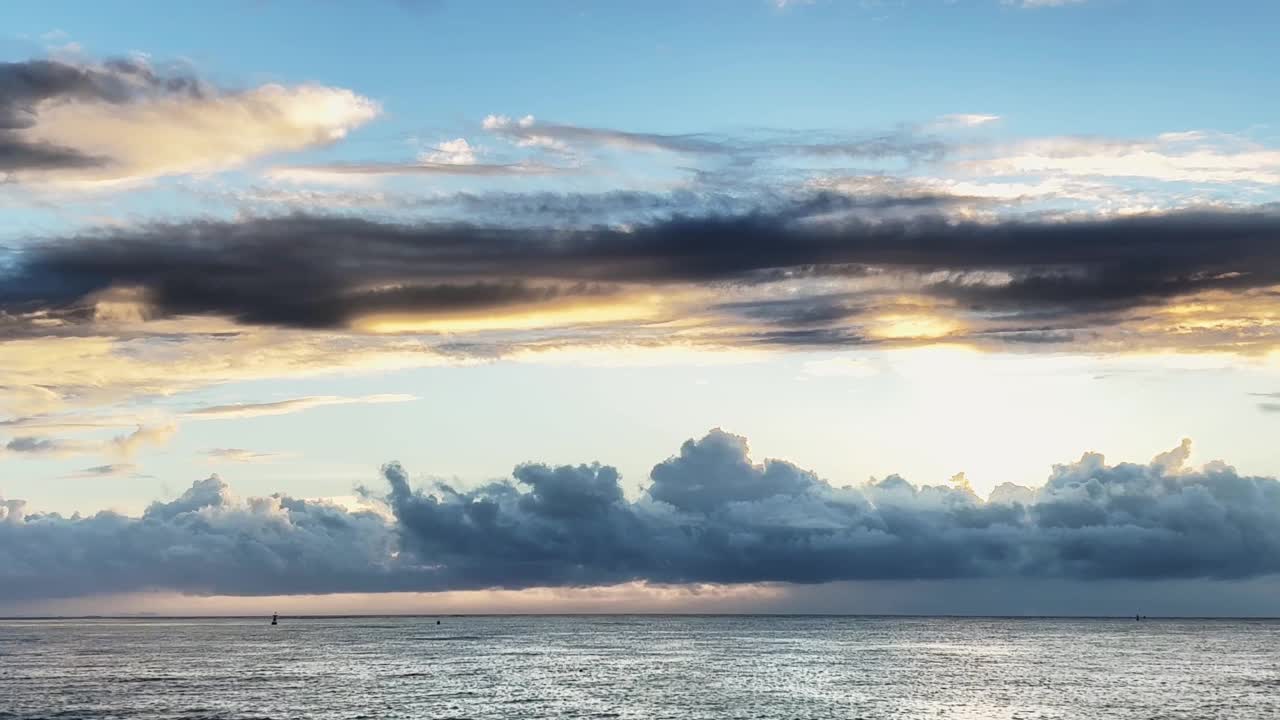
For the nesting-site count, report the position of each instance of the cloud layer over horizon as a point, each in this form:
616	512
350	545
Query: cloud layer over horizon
710	515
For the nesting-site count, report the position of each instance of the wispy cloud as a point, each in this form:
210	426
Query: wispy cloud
1171	157
285	407
239	455
123	446
966	120
529	132
340	171
105	471
1271	404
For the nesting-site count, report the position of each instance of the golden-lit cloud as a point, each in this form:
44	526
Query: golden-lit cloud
569	313
292	405
49	374
202	135
116	123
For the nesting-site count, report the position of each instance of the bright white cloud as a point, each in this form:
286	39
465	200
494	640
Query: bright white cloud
967	120
451	152
1171	157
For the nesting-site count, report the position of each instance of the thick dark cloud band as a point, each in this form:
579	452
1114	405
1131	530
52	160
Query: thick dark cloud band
315	271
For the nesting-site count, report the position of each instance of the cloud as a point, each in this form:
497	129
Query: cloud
562	209
966	120
284	407
31	445
813	271
528	132
204	541
123	446
27	87
127	445
336	172
1192	157
238	455
454	152
49	383
123	120
710	515
112	470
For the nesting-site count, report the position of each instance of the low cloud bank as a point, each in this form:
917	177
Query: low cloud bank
710	515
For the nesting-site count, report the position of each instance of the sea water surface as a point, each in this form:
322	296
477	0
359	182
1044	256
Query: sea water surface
640	667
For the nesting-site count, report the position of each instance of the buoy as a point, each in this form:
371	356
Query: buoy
275	618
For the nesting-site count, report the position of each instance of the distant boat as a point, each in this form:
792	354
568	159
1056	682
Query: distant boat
275	618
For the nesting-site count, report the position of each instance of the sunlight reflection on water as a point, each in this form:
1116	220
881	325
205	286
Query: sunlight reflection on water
641	667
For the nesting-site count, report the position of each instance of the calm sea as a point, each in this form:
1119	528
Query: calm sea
640	667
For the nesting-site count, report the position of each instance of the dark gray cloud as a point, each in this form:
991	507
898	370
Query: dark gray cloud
202	542
586	210
111	470
710	514
34	445
323	271
25	86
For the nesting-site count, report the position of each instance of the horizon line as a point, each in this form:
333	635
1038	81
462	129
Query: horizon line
357	616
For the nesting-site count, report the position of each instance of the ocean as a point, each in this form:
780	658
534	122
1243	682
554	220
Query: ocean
645	667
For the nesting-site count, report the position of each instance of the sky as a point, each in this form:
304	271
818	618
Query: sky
930	306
